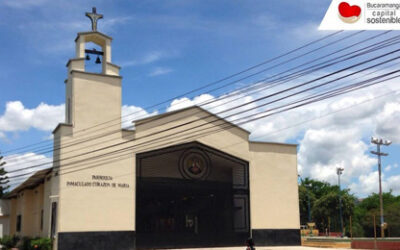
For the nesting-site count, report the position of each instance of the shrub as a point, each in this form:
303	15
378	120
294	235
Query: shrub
8	242
41	244
24	243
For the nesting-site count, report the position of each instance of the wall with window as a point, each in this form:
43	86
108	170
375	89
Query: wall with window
36	212
13	216
4	217
47	193
30	211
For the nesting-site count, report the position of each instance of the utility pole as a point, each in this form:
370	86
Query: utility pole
378	152
339	172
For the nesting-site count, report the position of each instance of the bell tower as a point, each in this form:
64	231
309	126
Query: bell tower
92	98
86	151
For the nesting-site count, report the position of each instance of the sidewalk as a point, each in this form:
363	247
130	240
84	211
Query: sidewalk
266	248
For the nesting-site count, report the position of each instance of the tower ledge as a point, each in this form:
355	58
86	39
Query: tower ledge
95	74
92	33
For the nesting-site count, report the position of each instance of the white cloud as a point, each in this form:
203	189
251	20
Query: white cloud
34	162
388	122
23	4
131	113
333	133
266	21
107	25
338	140
2	136
369	183
322	151
160	71
48	137
185	102
222	106
393	183
18	118
312	31
150	57
46	117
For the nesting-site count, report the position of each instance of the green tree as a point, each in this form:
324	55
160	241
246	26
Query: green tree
392	218
313	190
304	195
3	178
372	201
326	210
319	188
369	207
357	225
324	199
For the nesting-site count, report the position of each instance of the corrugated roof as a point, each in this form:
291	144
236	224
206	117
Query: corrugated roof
33	181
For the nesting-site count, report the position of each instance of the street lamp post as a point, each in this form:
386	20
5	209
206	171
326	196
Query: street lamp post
378	152
308	186
339	172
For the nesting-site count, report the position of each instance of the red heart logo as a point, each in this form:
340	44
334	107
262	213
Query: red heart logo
346	10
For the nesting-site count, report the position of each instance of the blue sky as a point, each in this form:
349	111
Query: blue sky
166	48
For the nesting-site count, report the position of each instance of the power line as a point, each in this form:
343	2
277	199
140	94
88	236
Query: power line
331	94
208	84
310	82
394	92
229	125
118	157
216	100
285	90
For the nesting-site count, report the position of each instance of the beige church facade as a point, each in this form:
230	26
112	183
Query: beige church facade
186	178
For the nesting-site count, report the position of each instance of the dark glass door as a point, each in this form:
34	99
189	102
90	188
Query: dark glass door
181	214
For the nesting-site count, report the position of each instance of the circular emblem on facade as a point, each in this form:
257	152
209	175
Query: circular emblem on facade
194	164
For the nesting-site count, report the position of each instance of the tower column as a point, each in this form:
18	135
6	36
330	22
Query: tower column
107	51
80	47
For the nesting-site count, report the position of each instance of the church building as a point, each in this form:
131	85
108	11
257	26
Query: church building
181	179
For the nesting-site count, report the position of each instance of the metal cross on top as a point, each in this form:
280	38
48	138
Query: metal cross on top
94	17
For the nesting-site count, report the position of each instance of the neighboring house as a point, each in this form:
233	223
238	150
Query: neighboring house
4	217
30	206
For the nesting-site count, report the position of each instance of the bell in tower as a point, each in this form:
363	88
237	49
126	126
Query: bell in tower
92	97
103	41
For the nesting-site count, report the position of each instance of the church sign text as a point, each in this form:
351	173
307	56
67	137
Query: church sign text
98	181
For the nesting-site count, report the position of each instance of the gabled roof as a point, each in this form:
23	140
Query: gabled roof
33	181
160	116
